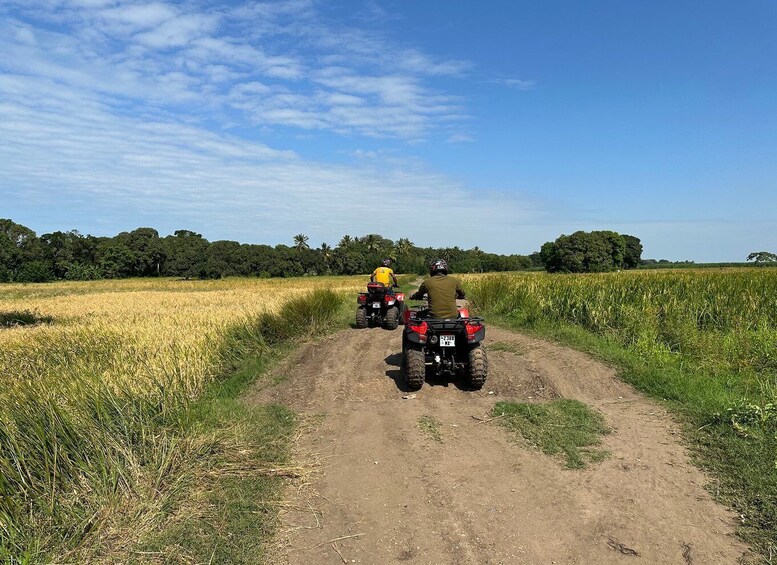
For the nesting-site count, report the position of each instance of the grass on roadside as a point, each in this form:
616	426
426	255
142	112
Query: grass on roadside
506	346
430	427
733	440
91	467
231	512
564	427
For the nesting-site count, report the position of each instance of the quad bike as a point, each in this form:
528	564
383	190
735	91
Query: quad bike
379	306
443	346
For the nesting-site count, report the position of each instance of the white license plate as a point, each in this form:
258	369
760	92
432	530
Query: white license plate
376	304
447	341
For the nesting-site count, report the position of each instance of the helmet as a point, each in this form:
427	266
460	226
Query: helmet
386	262
438	266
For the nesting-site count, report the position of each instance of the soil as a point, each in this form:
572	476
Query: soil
381	490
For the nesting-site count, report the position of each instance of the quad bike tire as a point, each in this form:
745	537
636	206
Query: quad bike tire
477	372
361	317
415	367
391	319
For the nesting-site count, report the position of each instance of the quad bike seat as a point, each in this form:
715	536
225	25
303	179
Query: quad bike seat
376	287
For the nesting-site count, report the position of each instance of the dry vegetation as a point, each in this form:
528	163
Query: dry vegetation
91	403
140	332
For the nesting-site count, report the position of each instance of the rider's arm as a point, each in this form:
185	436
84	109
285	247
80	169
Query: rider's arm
394	277
459	291
372	276
419	294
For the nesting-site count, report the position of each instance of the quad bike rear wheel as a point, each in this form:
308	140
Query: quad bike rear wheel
361	317
415	367
391	320
477	371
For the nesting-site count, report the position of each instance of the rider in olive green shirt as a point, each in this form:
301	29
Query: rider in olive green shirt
442	291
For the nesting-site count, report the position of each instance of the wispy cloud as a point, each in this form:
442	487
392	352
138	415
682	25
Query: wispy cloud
122	110
183	175
316	73
516	83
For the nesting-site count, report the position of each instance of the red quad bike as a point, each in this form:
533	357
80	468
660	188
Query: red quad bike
443	346
379	307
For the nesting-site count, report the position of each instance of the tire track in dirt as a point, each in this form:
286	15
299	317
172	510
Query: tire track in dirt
391	494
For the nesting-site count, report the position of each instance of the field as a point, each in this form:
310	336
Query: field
719	323
98	397
703	341
91	401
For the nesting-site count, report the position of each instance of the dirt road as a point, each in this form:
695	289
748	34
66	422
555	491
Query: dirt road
383	491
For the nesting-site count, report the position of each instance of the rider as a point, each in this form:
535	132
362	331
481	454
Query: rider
384	275
441	289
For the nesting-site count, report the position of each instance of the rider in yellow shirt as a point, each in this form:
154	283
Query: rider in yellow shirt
384	274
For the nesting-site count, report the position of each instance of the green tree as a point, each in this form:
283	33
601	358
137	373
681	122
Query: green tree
223	259
115	260
550	257
145	245
590	252
762	258
326	255
18	245
632	258
185	254
404	246
34	271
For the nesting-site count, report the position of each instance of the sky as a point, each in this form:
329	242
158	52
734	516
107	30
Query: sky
500	124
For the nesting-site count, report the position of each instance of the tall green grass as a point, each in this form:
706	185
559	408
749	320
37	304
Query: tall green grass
703	341
716	320
80	454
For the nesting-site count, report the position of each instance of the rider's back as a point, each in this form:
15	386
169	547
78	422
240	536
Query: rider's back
442	291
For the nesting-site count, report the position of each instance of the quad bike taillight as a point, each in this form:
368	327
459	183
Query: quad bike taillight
473	328
419	328
361	299
389	300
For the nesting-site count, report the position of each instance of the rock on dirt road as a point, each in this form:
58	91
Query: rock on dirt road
380	490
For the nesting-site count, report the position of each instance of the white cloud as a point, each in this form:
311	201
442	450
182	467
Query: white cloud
161	55
516	83
175	175
177	32
121	107
141	15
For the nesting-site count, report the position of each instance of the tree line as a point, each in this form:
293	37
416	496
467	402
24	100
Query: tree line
69	255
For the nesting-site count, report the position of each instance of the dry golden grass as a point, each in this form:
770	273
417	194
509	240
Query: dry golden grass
93	406
136	332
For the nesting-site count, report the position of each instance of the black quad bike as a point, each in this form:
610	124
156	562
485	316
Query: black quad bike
380	307
443	346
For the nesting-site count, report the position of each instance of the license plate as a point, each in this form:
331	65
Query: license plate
376	304
447	341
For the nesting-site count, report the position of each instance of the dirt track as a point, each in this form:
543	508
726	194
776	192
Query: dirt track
392	494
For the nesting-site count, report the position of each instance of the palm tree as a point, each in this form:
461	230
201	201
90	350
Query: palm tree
372	242
346	241
478	255
301	242
326	256
326	253
404	245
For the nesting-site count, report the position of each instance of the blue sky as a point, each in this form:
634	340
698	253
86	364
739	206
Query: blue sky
501	124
